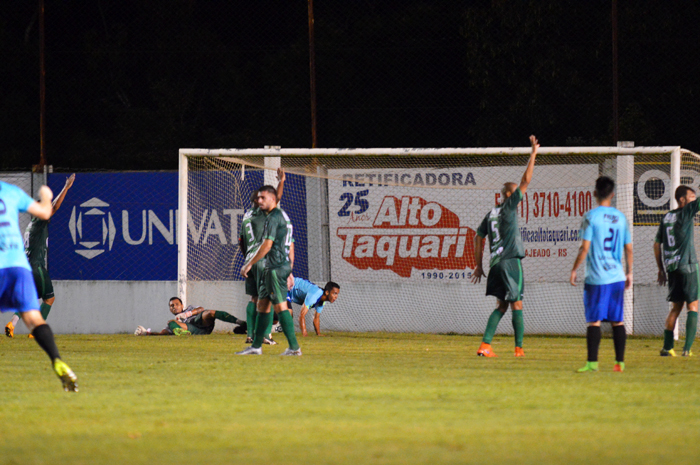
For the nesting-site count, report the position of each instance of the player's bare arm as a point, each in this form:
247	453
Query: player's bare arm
189	313
281	176
317	324
582	252
302	320
262	252
61	195
478	257
527	177
661	278
43	208
629	258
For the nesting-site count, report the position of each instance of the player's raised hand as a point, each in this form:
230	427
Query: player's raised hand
70	180
478	273
281	176
661	279
572	279
534	144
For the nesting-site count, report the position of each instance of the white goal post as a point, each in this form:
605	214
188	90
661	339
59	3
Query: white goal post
394	227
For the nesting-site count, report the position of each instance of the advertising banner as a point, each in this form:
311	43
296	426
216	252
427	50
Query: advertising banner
382	231
123	226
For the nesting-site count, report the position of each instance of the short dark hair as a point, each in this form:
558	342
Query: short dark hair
175	298
268	188
682	191
330	285
604	187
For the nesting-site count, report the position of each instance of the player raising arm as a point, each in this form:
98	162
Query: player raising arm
505	280
272	288
309	295
677	237
17	290
35	243
605	233
190	320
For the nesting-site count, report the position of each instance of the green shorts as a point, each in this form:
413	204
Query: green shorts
254	277
505	281
42	281
683	287
273	284
197	326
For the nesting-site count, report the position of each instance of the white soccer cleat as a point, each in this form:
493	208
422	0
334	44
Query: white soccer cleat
269	341
250	351
292	352
140	330
277	328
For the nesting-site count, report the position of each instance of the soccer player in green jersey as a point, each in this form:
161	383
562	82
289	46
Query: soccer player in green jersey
249	241
190	320
505	280
272	288
676	238
36	240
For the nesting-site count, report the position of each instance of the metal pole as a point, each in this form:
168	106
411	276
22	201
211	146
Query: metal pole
312	69
616	103
42	89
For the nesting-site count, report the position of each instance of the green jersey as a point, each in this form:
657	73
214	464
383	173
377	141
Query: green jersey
250	236
501	227
278	228
36	241
676	236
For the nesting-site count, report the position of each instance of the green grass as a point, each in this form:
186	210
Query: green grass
352	398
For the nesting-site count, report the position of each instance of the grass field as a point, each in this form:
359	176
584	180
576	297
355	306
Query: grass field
352	398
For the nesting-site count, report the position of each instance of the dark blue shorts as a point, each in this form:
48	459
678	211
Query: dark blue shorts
604	302
17	290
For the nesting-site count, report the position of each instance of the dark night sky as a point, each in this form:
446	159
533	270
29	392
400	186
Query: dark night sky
129	82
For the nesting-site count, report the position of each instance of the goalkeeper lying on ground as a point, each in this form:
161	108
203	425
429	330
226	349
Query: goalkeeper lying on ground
192	320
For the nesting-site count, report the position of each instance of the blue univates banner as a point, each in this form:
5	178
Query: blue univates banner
123	226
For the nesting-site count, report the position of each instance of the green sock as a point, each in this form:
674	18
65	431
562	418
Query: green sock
264	320
227	317
251	315
173	325
518	327
45	309
691	327
491	326
268	330
287	323
668	339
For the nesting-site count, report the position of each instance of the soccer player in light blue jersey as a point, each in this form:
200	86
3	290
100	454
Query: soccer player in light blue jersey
605	234
309	295
17	289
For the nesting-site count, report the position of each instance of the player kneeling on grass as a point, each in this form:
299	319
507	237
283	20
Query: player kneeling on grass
309	295
190	320
272	288
17	290
605	233
505	280
676	236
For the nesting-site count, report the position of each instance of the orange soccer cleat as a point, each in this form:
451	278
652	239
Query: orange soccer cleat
519	352
485	350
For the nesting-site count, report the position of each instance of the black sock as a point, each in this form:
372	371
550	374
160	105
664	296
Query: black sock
593	340
619	339
44	337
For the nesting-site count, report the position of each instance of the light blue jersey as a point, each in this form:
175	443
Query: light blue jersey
13	200
607	230
306	293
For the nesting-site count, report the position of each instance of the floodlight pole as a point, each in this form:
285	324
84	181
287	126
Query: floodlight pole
616	96
312	72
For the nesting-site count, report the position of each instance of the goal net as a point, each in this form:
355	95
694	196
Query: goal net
395	228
